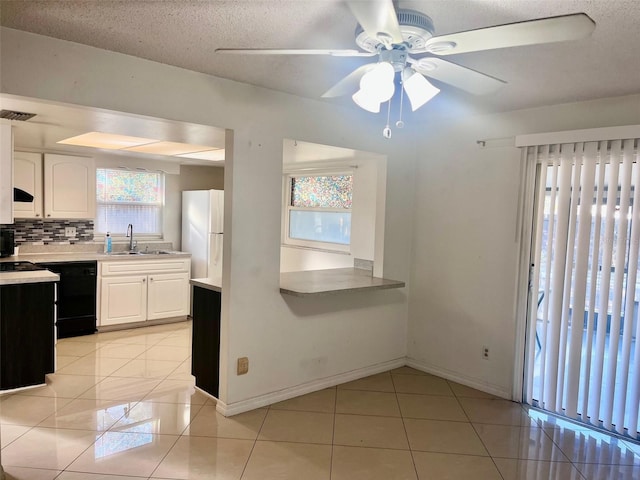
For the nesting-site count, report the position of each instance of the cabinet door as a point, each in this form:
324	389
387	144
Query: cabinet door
168	295
26	334
6	172
205	358
123	300
69	187
27	175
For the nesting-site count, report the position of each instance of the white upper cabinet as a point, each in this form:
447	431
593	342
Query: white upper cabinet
27	175
6	173
69	187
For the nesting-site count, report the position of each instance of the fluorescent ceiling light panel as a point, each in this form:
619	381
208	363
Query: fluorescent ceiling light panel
168	148
108	141
213	155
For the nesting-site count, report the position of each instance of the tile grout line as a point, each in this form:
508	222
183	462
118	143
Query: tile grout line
553	442
475	431
246	464
404	426
333	433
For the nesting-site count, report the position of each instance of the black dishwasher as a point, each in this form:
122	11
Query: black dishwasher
76	297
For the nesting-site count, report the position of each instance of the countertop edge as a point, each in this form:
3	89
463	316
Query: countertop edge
89	256
206	283
35	276
337	291
315	283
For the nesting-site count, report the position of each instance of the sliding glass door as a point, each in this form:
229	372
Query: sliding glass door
583	360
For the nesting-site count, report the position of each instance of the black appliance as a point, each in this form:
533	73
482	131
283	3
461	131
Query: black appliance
7	241
19	267
76	297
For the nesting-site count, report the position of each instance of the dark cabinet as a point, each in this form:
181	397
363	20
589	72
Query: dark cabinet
205	356
27	319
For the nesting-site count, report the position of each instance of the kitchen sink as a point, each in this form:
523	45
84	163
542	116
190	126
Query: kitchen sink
147	252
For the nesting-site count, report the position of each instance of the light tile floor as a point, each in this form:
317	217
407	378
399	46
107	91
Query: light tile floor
122	406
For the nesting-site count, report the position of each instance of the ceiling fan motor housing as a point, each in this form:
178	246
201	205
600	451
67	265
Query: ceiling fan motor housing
397	57
416	29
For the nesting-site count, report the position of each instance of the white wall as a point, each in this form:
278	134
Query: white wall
289	341
465	246
297	259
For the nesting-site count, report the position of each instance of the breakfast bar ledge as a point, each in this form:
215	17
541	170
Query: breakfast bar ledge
333	281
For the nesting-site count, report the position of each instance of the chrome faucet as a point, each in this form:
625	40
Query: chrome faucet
132	244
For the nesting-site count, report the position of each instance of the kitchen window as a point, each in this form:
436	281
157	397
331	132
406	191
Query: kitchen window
318	213
129	197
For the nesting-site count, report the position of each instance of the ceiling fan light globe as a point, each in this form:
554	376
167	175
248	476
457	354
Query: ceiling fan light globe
382	73
366	101
418	89
378	82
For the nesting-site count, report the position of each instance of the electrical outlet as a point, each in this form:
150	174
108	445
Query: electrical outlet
69	231
485	352
243	365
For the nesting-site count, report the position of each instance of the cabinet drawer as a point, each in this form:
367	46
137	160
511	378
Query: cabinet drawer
142	267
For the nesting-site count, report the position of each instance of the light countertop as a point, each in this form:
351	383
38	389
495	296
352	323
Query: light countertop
9	278
36	276
88	256
333	281
208	283
318	282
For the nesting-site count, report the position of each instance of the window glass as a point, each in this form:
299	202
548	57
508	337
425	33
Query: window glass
319	211
334	191
332	227
125	197
122	186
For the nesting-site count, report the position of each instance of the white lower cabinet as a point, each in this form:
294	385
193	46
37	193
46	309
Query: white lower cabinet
123	300
166	295
132	292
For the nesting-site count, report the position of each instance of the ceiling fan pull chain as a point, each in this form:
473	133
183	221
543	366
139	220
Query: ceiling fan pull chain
400	123
386	131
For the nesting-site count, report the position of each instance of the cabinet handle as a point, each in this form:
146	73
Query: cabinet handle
48	214
151	279
37	214
144	280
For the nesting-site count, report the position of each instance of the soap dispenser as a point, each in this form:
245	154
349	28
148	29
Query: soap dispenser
107	243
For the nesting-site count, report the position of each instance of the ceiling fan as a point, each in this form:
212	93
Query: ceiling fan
397	37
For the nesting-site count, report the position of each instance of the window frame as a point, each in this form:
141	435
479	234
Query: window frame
288	208
118	236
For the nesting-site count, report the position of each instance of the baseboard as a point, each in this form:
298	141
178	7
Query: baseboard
256	402
146	323
456	377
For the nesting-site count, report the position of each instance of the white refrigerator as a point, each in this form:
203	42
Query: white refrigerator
202	231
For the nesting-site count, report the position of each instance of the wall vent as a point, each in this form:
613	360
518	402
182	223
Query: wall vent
15	115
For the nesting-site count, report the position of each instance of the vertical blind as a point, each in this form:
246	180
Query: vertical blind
583	359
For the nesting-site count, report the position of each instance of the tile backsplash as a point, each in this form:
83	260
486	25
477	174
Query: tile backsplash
43	232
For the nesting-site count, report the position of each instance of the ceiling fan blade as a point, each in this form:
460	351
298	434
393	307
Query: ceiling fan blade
378	19
460	77
293	51
544	30
350	83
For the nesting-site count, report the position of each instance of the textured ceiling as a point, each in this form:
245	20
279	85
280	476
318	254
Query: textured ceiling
185	34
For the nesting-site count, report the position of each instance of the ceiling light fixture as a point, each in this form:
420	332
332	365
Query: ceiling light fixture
110	141
418	88
377	86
